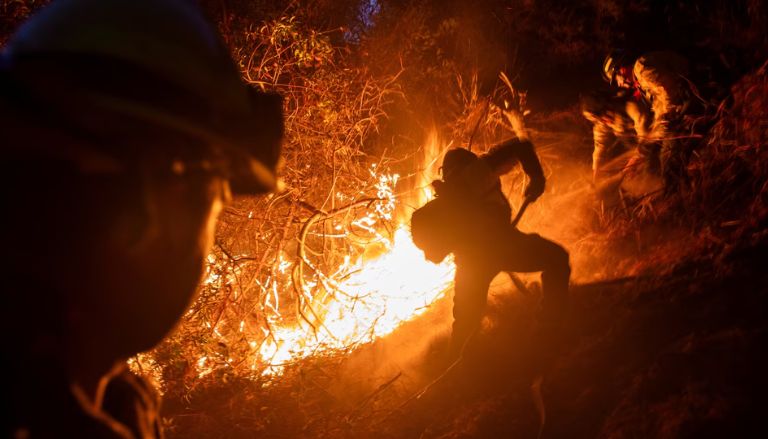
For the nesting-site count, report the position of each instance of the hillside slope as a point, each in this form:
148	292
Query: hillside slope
679	355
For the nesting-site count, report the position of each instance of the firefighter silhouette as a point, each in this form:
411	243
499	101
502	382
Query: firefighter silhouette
470	217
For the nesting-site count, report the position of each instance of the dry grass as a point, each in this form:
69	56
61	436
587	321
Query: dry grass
332	112
340	109
701	222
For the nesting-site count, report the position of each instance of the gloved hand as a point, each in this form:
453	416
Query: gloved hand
535	189
439	187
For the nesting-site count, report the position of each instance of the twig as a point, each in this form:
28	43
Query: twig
370	397
519	284
479	120
538	401
301	255
443	375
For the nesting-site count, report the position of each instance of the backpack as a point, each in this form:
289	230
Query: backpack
431	229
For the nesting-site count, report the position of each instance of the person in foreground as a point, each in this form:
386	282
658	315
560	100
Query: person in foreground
124	128
470	217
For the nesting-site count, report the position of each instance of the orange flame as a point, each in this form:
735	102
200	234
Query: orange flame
371	303
368	298
362	300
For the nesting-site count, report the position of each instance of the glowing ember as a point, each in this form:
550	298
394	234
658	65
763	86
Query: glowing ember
379	296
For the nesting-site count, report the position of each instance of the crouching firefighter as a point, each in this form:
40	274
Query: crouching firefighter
470	217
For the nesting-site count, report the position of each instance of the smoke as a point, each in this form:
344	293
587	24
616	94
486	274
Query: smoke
415	353
568	213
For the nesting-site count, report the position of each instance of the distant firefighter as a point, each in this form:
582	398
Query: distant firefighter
661	79
470	218
124	127
616	119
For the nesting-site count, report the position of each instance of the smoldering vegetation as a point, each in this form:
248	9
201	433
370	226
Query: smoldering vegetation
669	297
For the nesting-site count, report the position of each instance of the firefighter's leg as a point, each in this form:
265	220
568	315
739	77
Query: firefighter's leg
648	157
530	253
603	137
670	165
675	154
555	278
469	300
606	167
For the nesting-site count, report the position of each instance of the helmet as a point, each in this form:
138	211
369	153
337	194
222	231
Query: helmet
612	63
156	61
455	159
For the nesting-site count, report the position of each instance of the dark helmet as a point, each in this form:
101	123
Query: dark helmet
615	60
455	159
157	62
145	87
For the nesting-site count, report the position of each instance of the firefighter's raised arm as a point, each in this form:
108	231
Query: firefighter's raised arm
502	158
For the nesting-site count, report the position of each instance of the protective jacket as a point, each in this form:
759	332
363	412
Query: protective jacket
617	121
661	77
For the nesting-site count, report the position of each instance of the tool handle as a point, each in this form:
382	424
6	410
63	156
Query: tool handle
521	212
